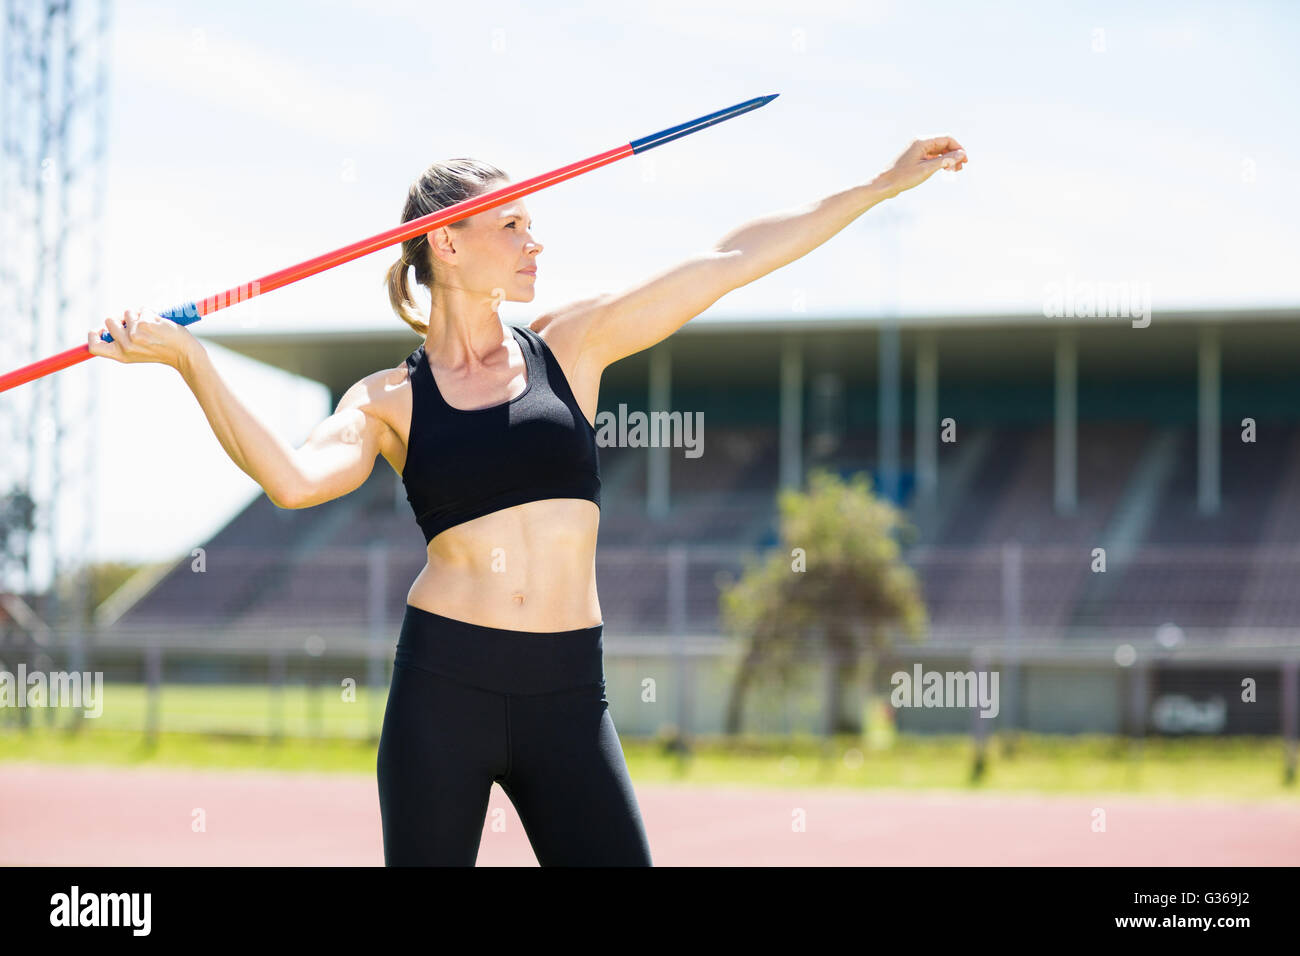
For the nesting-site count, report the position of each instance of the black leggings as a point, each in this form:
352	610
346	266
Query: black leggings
469	705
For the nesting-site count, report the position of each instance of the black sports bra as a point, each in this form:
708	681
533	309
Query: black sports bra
464	463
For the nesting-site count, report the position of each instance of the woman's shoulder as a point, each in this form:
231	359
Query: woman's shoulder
565	328
379	390
384	395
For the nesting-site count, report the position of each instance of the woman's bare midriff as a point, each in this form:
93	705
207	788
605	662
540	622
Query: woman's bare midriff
530	567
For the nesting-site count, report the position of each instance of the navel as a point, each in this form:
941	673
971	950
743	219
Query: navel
518	598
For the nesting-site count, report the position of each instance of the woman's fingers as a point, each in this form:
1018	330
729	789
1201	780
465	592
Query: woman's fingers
937	145
115	349
942	152
955	159
948	153
121	334
921	160
98	346
130	318
141	336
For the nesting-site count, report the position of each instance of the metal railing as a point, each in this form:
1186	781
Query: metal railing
261	619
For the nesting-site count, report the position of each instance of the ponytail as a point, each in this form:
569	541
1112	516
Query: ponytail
399	295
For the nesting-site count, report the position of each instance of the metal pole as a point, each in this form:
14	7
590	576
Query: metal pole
677	560
791	423
1290	714
890	389
1066	431
1207	485
377	567
927	418
153	675
277	675
1138	676
979	661
657	460
1012	571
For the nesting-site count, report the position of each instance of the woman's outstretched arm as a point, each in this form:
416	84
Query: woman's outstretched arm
337	457
767	244
619	325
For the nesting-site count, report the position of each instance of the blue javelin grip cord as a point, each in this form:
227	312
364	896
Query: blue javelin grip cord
186	314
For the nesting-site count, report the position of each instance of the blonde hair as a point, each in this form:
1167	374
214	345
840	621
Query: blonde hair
443	184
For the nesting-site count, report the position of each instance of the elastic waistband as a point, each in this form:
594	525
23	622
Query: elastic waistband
499	659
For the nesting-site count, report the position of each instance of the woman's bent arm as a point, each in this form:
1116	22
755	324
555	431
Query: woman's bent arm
337	457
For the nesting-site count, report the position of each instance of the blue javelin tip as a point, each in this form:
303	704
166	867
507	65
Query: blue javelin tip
685	129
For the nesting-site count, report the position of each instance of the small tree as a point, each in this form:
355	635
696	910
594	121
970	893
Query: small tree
835	586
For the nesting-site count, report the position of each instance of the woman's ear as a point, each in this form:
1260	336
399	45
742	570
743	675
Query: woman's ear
440	244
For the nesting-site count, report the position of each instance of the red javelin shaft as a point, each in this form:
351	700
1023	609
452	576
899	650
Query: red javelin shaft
193	311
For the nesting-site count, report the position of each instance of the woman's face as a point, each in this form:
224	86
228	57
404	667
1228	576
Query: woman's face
500	252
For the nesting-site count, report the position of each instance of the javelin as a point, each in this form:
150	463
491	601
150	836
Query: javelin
193	311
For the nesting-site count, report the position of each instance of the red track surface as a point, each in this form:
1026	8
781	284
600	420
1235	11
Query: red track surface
86	816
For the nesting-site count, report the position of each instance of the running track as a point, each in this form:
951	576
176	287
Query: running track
94	816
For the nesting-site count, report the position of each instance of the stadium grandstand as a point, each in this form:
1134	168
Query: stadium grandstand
1017	445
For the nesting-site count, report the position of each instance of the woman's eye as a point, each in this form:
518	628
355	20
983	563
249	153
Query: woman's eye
510	225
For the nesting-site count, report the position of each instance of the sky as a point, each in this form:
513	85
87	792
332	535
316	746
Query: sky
1109	142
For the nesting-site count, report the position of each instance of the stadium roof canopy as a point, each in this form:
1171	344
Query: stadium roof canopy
1264	340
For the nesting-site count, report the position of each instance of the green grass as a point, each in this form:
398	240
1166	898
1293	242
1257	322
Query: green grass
241	709
232	726
1238	768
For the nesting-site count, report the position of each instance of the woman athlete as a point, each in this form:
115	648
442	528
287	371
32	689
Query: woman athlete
498	674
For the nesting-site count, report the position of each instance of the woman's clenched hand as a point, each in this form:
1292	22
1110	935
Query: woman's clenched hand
921	160
143	336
